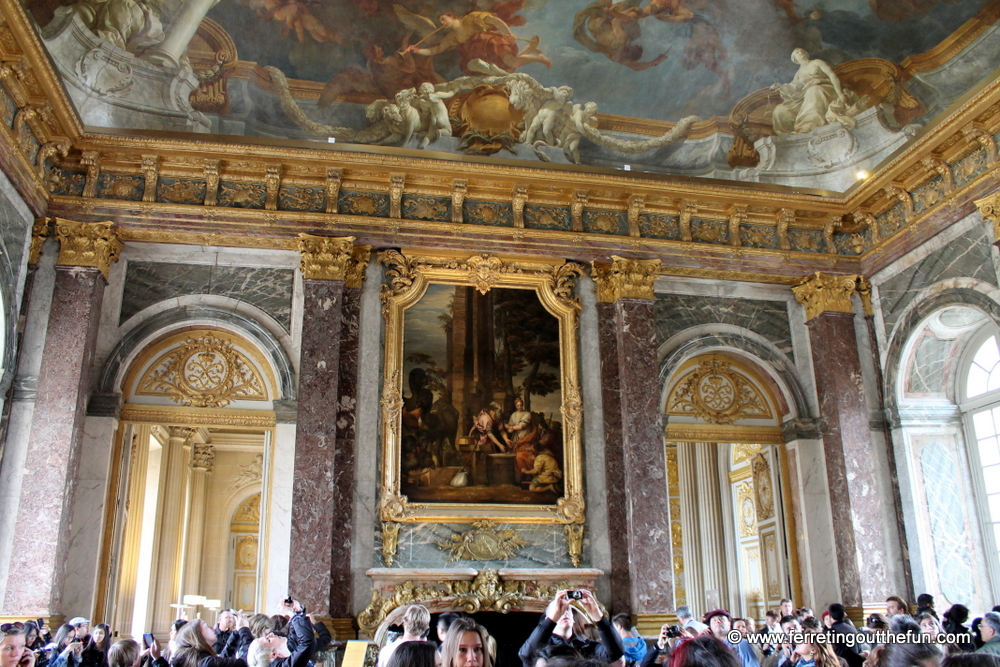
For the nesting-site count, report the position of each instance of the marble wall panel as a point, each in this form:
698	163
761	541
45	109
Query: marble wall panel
966	256
677	312
419	547
14	229
269	289
928	366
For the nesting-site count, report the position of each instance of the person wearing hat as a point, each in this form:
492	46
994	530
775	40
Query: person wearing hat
719	624
82	626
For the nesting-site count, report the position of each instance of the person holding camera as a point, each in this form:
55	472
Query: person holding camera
68	649
563	623
295	650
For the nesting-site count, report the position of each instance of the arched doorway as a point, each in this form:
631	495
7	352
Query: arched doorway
190	533
725	455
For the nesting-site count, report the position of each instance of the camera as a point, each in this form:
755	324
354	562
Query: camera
147	639
289	601
575	595
673	632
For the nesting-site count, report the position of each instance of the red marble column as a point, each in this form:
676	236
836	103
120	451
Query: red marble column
853	481
321	531
41	531
641	554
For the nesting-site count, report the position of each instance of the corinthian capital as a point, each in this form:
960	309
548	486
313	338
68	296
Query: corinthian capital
325	258
625	278
822	293
92	244
202	457
989	208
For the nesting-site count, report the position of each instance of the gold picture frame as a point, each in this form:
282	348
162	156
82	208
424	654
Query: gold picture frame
409	275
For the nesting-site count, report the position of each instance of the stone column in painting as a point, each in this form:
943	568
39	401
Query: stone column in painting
38	559
642	570
322	502
856	494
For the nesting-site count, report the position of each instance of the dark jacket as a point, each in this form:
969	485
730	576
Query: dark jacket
608	650
222	638
237	644
209	660
851	655
301	643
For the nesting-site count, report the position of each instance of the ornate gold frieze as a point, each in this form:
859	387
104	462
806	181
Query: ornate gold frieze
746	510
718	393
769	435
91	244
203	371
625	278
823	293
250	419
744	451
483	542
39	232
249	510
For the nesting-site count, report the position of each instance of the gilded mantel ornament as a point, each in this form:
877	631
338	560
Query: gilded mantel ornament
823	293
90	244
326	258
989	208
483	542
625	278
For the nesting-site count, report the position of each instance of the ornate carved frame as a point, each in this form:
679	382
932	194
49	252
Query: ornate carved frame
409	276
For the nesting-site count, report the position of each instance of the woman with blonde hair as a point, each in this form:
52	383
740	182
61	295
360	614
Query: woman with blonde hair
194	648
466	644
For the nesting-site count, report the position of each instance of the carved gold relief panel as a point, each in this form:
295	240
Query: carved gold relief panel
201	369
719	391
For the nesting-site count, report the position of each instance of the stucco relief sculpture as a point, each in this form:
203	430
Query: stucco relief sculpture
813	98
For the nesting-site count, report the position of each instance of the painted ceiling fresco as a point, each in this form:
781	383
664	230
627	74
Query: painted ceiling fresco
590	82
657	59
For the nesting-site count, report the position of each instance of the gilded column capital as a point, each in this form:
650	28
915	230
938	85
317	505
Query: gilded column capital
822	293
989	208
326	258
92	244
202	457
39	232
625	278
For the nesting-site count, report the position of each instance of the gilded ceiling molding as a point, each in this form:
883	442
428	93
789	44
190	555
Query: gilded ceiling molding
625	278
90	244
823	293
326	258
718	393
989	209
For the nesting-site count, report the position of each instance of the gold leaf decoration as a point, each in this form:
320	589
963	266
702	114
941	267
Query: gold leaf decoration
746	510
249	510
483	542
204	372
762	485
717	393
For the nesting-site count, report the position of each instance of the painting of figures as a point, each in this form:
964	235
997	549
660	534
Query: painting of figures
481	399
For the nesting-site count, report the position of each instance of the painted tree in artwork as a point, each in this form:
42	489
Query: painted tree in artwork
527	338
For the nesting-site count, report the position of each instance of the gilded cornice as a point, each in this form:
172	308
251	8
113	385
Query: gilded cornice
625	278
768	233
326	258
89	244
822	293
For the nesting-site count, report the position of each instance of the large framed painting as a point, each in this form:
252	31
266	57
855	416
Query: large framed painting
481	402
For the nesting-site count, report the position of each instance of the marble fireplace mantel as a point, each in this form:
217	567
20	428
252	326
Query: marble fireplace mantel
464	589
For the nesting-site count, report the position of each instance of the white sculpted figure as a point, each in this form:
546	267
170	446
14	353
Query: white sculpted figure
583	114
550	116
434	113
813	98
131	25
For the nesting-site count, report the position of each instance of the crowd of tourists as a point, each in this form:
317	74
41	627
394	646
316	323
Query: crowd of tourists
574	631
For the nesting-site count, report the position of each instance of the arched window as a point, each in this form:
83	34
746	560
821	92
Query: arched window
980	391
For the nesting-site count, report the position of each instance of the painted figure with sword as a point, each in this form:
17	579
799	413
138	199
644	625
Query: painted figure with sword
482	35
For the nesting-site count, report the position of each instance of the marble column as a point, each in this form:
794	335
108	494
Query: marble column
128	573
38	558
713	552
694	582
859	529
202	458
321	531
171	526
642	577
